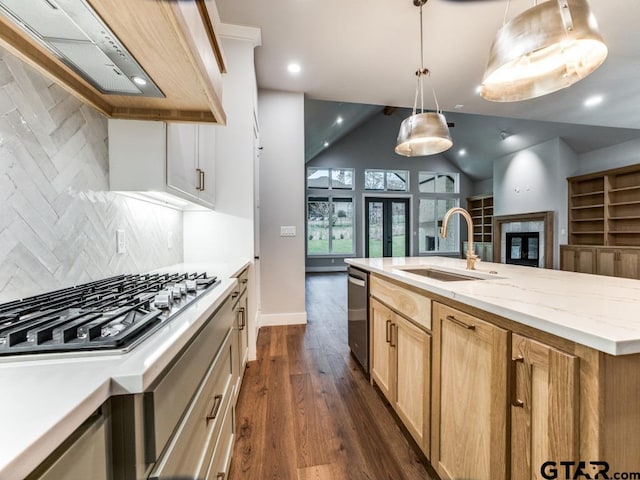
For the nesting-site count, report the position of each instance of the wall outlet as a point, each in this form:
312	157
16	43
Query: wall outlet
170	240
289	231
121	242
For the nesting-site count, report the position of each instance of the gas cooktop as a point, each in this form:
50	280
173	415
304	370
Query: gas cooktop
116	313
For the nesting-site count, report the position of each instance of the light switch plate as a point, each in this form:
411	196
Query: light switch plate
121	242
288	231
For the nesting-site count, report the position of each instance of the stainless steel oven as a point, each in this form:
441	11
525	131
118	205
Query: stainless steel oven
358	315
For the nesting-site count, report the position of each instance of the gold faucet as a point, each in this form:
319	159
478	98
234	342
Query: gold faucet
472	258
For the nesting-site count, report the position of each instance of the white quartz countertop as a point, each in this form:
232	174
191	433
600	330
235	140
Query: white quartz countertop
46	397
600	312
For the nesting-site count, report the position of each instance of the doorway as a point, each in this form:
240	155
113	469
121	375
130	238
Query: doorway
386	227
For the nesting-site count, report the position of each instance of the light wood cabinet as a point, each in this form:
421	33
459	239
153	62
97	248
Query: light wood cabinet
578	259
400	367
382	361
611	261
505	398
544	407
469	427
618	262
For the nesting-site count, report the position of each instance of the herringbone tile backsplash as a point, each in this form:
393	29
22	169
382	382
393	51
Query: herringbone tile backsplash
58	220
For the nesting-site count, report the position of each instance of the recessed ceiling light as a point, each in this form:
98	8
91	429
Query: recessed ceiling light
294	68
593	101
326	144
458	106
339	120
462	152
139	81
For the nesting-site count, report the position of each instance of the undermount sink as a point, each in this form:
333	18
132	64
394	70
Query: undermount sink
440	274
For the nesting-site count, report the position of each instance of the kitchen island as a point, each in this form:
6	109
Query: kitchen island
48	397
510	372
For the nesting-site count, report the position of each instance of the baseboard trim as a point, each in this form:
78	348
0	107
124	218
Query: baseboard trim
279	319
326	269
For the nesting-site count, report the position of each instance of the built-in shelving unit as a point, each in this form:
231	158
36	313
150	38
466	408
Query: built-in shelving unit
481	210
604	224
604	208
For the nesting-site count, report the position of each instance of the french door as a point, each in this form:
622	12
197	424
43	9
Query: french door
386	227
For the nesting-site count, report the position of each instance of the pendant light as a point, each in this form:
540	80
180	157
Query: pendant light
424	133
544	49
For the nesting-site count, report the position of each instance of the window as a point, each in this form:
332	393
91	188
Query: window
386	180
430	182
431	211
330	178
440	192
330	226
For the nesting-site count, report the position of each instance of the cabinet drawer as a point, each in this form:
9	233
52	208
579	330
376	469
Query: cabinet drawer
166	402
219	466
411	304
186	453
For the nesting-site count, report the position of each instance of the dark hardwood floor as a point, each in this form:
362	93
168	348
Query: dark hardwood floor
305	409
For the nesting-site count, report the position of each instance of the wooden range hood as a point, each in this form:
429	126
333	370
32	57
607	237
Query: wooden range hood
173	41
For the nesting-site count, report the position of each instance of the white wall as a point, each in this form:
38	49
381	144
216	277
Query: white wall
621	155
483	187
282	278
534	180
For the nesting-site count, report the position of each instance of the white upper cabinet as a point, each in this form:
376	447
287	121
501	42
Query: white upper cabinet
207	162
169	163
182	158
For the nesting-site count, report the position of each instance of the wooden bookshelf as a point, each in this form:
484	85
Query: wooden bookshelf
604	208
481	210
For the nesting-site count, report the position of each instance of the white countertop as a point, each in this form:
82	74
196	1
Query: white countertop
46	397
597	311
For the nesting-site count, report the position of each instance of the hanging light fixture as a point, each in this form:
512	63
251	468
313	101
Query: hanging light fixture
424	133
544	49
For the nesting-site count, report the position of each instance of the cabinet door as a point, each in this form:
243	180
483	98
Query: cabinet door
87	455
470	397
413	388
382	360
567	258
544	407
207	162
182	158
586	260
606	262
628	264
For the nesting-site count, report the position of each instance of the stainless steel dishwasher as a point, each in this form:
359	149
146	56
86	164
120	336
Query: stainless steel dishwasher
358	315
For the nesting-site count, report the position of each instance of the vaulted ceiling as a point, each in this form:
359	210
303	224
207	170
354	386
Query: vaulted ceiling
366	52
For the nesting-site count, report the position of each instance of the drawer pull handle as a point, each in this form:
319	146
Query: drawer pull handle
220	476
243	321
515	401
394	328
217	401
202	176
460	323
199	179
244	281
388	332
